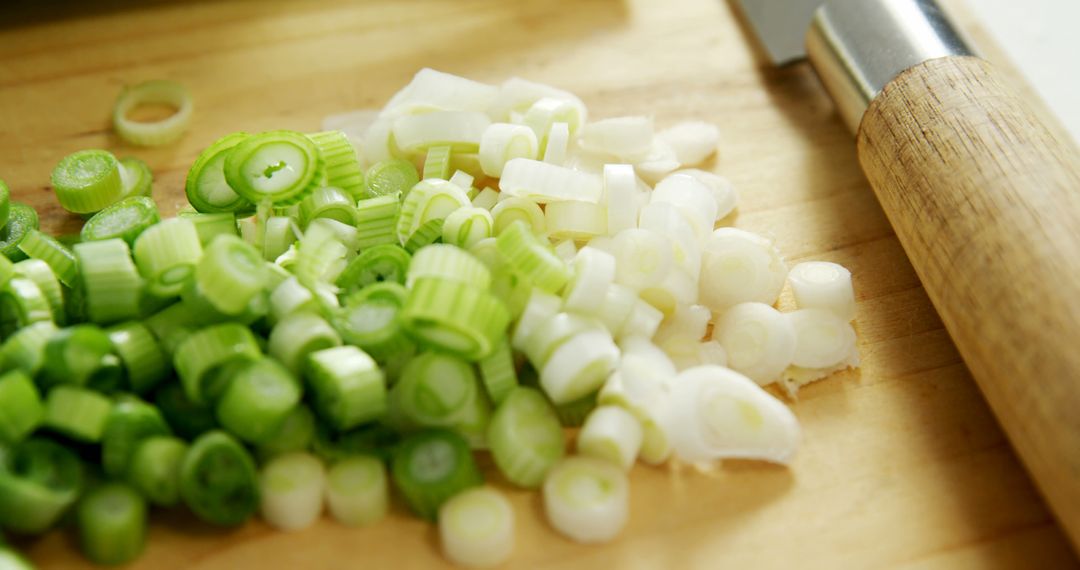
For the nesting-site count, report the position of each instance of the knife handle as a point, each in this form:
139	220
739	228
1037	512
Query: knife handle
986	202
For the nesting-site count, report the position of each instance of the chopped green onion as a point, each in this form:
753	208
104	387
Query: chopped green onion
436	390
230	274
21	410
203	353
291	488
357	491
210	226
428	233
298	335
38	245
390	178
22	303
156	133
431	199
129	422
42	275
125	219
455	317
172	325
531	259
75	355
25	349
342	165
7	269
486	199
295	433
188	419
349	388
328	202
87	181
206	187
549	335
450	263
39	480
21	219
282	166
476	527
579	366
437	163
467	226
540	307
154	469
112	524
136	177
376	220
369	320
166	254
290	297
512	209
281	232
587	499
377	439
464	180
525	437
259	397
431	466
611	433
218	480
110	280
376	264
498	373
543	182
77	412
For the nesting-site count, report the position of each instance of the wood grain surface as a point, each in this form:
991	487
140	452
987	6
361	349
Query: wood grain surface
986	202
903	465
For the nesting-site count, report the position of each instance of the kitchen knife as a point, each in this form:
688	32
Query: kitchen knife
983	197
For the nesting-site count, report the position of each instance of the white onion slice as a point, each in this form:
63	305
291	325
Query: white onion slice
611	433
693	199
594	273
502	142
693	141
822	339
544	182
587	499
759	340
476	527
558	142
823	285
620	197
626	138
721	414
738	266
461	130
722	190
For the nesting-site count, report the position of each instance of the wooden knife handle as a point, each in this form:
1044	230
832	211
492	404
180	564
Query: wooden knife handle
986	202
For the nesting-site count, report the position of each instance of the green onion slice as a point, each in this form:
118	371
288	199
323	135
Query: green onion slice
130	421
376	221
155	133
342	165
437	163
376	264
38	245
349	388
136	177
39	481
357	493
78	413
21	409
259	397
154	469
218	481
125	219
525	437
21	220
87	181
166	255
75	355
448	262
431	466
455	317
282	166
110	280
390	178
203	353
532	259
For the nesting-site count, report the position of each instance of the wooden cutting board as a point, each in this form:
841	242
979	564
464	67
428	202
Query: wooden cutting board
903	464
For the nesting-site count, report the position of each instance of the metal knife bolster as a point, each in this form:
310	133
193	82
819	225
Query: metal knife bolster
859	46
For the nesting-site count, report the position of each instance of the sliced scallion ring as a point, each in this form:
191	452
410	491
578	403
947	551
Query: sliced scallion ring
125	219
282	166
206	187
87	181
156	133
135	177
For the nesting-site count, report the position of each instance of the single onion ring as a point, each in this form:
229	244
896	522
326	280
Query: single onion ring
155	133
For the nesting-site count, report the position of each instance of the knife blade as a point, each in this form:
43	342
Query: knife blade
984	198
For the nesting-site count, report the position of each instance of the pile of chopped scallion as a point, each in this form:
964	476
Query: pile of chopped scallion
472	269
